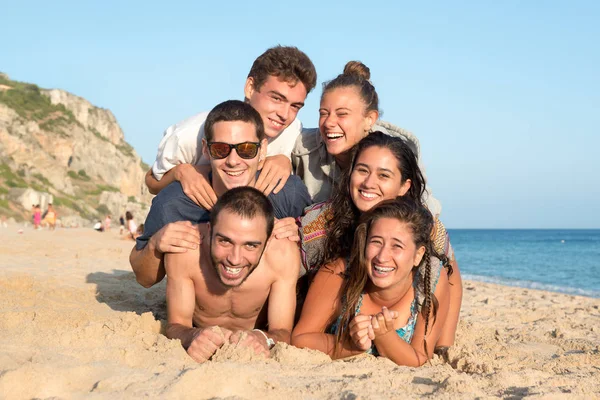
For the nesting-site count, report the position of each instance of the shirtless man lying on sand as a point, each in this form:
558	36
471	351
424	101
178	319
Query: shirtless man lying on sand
226	282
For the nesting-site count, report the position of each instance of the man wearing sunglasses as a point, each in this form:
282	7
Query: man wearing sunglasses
235	143
276	87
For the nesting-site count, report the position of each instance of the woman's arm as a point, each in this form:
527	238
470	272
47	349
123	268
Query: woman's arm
393	347
321	307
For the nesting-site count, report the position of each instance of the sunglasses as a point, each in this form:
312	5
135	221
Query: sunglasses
220	150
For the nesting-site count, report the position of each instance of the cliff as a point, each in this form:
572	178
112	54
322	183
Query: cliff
69	152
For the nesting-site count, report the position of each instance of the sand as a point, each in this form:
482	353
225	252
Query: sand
75	324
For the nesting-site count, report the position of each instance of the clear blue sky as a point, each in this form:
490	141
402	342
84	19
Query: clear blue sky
504	96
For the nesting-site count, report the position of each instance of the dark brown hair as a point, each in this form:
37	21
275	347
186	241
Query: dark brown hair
420	221
358	75
246	202
286	63
233	110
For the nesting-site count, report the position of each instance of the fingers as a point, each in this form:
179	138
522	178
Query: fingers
204	345
250	340
198	189
282	181
371	332
268	183
374	322
177	237
286	228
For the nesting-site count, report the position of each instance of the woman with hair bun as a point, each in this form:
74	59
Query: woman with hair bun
348	112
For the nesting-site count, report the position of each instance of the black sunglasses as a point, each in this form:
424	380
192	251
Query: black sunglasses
220	150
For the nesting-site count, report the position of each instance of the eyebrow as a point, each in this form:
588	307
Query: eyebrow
298	103
381	237
253	243
378	169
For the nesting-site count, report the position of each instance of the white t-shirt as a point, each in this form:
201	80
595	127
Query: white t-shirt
182	144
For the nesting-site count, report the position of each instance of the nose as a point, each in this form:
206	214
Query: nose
283	112
233	158
384	254
370	180
234	257
330	121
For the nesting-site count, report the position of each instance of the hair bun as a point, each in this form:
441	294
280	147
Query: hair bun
357	68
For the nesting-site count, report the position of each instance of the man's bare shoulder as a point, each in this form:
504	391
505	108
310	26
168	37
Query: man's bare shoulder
182	264
283	257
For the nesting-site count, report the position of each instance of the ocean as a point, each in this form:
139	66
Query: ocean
566	261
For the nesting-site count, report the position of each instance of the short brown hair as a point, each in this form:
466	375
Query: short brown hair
233	110
286	63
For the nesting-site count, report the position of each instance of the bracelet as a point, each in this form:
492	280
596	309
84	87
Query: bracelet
270	342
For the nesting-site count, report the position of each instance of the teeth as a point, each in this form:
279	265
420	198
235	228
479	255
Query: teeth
233	271
334	135
383	269
277	124
231	173
368	195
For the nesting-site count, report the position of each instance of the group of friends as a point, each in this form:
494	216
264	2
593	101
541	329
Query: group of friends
324	238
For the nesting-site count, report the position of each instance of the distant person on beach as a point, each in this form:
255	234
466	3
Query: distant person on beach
51	217
236	146
37	216
239	286
121	225
131	225
369	302
3	222
276	86
107	222
98	226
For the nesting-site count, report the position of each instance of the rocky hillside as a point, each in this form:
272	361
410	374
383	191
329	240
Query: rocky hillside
59	148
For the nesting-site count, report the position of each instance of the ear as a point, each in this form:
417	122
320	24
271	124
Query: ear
262	153
249	88
405	187
205	148
419	256
370	119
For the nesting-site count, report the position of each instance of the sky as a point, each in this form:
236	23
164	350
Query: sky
504	96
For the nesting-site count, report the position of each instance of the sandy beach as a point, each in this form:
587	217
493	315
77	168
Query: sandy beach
75	324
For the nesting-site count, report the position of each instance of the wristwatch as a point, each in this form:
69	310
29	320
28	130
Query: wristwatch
270	342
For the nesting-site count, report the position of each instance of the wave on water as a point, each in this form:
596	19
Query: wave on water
532	285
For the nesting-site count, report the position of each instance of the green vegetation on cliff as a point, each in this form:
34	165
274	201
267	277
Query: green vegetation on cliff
29	103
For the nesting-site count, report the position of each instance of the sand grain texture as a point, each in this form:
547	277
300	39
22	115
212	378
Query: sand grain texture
75	324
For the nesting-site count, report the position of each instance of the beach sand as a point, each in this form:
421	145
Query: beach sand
75	324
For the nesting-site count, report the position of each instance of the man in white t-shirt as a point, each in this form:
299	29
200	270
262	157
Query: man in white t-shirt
277	85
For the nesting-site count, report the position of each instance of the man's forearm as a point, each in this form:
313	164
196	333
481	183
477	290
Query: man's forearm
154	185
183	333
147	265
280	335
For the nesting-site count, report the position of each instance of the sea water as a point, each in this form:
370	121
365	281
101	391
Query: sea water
566	261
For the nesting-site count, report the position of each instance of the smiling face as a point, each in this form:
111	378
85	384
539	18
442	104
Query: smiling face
236	246
277	102
391	253
234	171
376	177
343	120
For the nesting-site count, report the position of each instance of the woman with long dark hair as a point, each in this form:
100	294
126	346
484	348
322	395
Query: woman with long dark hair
369	303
